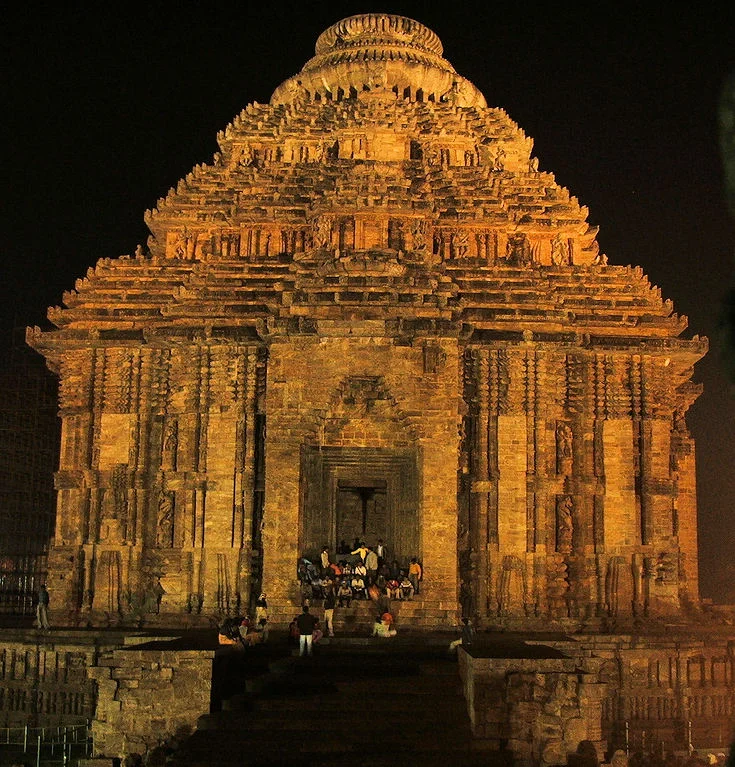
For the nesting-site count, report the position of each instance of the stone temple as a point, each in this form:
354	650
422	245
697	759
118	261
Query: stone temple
373	315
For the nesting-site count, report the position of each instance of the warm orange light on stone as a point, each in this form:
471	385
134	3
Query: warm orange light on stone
373	287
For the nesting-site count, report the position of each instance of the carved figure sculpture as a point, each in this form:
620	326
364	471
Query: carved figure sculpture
418	234
461	244
165	520
518	250
499	159
564	447
564	524
170	445
559	253
246	156
322	232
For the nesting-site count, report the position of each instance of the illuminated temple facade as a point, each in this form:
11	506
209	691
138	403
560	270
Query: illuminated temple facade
373	315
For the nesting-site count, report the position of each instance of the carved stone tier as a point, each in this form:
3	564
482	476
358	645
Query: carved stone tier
379	52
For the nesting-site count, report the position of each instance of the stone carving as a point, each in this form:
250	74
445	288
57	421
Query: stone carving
557	588
564	524
120	491
559	251
512	587
518	251
170	445
224	592
165	520
295	90
322	232
461	244
418	235
395	234
246	156
665	568
434	357
433	155
107	585
184	246
452	96
564	448
498	159
194	603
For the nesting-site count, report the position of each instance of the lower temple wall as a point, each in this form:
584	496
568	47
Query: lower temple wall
149	697
539	709
668	689
662	693
46	684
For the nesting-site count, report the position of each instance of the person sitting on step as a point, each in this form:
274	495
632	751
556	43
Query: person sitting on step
360	570
344	594
383	626
406	587
393	589
358	587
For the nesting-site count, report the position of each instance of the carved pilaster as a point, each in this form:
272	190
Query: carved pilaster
486	521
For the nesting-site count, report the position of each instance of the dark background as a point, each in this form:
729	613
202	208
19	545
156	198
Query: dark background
104	110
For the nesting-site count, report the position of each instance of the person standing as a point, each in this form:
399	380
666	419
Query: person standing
325	560
468	635
371	565
261	609
465	598
330	600
382	552
42	608
306	623
415	573
159	592
361	550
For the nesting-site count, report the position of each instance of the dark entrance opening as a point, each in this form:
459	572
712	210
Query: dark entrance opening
361	511
365	493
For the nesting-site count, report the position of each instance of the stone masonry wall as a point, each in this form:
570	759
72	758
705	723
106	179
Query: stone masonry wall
45	684
660	689
538	708
146	697
307	379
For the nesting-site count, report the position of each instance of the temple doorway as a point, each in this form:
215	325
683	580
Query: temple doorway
361	511
359	493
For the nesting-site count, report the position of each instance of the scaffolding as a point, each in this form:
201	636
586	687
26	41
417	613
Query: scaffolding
29	445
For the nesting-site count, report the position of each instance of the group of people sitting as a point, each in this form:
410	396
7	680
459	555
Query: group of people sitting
242	630
361	574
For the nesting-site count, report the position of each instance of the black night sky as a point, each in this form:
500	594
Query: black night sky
105	109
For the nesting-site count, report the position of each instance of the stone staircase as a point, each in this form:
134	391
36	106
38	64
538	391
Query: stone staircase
359	617
356	701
